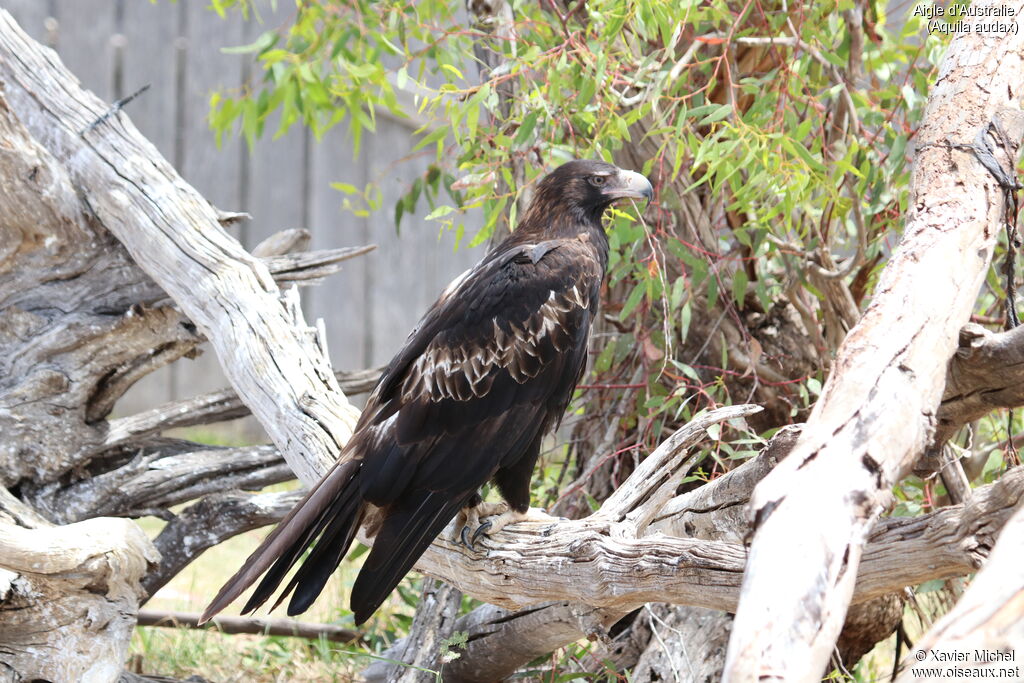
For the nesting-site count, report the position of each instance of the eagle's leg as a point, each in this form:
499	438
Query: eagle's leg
491	526
514	484
467	524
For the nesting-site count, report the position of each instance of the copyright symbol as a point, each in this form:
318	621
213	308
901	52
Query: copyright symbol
920	655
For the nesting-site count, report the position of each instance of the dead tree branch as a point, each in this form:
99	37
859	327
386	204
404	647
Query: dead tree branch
216	406
988	617
174	235
211	521
876	414
267	627
984	374
58	575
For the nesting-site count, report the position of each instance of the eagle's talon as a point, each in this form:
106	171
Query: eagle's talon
464	538
481	531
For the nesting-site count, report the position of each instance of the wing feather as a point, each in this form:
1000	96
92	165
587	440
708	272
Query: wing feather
501	351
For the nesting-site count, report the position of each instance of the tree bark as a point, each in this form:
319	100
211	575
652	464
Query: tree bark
174	235
988	619
421	655
877	410
591	592
68	598
80	322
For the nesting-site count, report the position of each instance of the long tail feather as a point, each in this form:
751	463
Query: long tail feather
285	545
333	545
338	522
407	531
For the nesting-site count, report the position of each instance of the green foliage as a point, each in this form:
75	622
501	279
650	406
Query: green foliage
764	143
777	137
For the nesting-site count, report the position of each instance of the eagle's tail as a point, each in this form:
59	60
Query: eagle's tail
330	515
410	525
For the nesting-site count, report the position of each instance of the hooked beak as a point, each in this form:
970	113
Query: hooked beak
629	184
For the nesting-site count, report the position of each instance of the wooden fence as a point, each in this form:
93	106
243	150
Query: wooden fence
117	46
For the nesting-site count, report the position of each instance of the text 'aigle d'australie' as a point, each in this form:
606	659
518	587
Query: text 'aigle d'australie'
954	15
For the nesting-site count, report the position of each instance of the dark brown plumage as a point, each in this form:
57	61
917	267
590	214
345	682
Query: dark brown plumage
485	375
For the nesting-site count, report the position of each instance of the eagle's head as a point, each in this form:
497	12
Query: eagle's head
585	188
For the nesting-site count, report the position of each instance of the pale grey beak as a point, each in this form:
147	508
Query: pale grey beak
629	184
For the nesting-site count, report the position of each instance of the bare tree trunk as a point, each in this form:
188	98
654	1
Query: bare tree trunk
68	598
876	414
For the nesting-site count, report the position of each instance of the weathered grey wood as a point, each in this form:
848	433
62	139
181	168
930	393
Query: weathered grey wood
876	413
210	521
988	618
153	55
184	249
64	365
175	49
31	15
718	511
683	644
70	590
215	406
164	473
603	563
984	375
215	172
420	654
707	512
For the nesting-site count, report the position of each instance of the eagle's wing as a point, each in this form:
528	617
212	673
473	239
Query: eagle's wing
501	352
483	377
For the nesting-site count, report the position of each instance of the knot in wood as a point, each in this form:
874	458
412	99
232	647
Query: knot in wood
581	548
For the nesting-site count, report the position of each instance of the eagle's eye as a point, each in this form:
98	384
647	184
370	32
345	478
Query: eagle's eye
597	180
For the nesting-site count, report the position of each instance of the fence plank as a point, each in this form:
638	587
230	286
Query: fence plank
277	172
85	29
153	55
214	171
341	301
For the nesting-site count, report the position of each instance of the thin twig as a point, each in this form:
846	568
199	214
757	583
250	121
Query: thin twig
267	627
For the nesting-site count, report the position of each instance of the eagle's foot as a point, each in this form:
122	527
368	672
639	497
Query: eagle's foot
468	525
495	524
